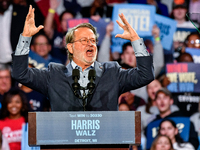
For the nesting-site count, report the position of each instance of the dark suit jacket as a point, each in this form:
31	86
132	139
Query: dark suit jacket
56	83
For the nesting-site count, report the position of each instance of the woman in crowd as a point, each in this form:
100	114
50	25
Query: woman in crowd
168	127
162	142
14	114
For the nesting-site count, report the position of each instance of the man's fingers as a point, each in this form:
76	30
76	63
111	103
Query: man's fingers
120	24
33	13
40	27
118	35
124	19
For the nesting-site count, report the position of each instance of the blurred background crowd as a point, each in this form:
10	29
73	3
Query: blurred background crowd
169	105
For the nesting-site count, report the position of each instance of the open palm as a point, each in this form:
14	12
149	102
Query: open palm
129	32
29	27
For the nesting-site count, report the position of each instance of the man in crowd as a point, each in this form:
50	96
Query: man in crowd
163	101
57	81
41	46
5	80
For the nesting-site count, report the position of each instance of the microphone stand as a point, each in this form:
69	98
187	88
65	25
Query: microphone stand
90	86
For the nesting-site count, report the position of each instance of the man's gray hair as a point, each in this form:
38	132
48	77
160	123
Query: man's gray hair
69	38
5	67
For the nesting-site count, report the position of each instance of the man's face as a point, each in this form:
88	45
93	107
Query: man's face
163	102
128	56
83	55
64	20
193	42
41	46
152	88
5	81
179	13
163	143
169	130
4	4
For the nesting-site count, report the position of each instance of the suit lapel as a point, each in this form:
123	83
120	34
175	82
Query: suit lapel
68	74
99	71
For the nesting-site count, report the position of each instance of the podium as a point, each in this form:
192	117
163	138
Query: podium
90	130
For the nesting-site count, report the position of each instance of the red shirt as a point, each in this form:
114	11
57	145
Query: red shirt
12	131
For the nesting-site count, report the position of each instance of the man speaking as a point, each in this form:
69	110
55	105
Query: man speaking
84	84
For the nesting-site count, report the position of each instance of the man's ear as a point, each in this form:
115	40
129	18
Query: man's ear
69	47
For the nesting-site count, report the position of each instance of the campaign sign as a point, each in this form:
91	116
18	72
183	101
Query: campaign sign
182	123
37	60
184	77
88	127
100	26
181	34
140	17
167	29
195	54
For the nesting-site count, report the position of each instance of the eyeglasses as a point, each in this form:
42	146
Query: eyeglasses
85	41
197	41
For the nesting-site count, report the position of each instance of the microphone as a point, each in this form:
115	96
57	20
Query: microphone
75	77
91	78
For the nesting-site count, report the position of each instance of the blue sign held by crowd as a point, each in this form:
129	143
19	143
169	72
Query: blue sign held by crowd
195	54
167	29
140	17
182	123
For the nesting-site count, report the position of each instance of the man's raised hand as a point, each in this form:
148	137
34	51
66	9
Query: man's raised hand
129	32
29	27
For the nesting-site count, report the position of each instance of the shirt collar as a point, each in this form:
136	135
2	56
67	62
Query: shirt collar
75	66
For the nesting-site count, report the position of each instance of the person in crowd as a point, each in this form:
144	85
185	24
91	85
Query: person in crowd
56	82
104	53
123	106
5	80
179	14
56	36
14	114
163	101
41	46
193	40
131	100
185	57
168	127
150	109
162	142
97	8
11	22
9	29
